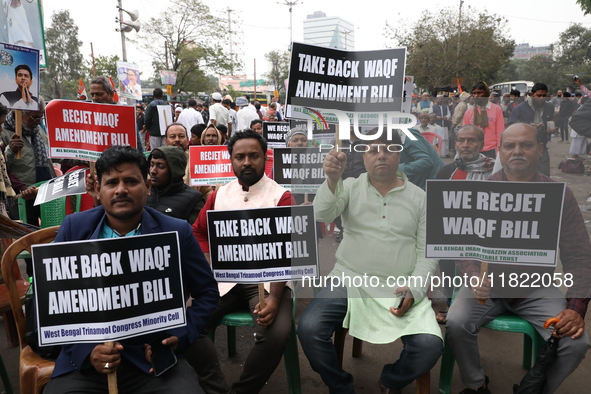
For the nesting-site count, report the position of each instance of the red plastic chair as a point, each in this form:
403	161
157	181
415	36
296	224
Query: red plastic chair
432	138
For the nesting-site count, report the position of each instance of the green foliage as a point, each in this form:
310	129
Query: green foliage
279	69
443	46
585	6
186	39
105	65
571	55
64	60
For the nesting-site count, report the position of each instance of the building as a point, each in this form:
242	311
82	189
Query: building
329	31
526	52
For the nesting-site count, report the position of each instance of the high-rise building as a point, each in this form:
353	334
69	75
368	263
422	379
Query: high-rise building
526	52
329	31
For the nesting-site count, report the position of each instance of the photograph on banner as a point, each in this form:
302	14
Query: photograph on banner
69	184
211	165
326	84
299	170
322	133
19	77
274	133
515	223
23	26
263	244
167	77
165	117
129	80
108	289
83	130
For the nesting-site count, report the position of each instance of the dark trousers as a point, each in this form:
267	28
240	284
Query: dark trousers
269	344
179	379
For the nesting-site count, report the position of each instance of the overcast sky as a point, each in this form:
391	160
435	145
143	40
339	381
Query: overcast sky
264	25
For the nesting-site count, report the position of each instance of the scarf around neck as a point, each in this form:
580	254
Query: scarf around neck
479	169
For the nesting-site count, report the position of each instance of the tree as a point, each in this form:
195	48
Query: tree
186	39
444	45
585	6
64	60
279	69
105	65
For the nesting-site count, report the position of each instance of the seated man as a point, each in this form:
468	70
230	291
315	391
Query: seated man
169	194
251	189
521	148
384	220
122	189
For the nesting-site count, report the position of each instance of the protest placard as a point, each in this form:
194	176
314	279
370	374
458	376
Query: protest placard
129	80
502	222
19	77
165	118
321	133
80	130
108	289
299	170
211	165
263	245
274	133
22	24
69	184
330	85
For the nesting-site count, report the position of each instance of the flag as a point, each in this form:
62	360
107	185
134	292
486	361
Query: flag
459	86
115	94
81	91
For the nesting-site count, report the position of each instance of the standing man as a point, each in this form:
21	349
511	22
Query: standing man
244	118
251	189
443	114
521	148
101	90
34	165
383	215
459	111
190	116
536	112
122	189
486	115
152	119
425	104
22	96
218	114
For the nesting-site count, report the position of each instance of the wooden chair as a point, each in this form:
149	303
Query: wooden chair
34	370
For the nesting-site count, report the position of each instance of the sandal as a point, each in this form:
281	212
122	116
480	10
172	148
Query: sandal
441	316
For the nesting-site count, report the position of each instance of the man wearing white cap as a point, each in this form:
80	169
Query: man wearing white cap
458	116
218	114
244	117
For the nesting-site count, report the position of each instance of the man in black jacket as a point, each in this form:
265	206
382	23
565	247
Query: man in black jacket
169	194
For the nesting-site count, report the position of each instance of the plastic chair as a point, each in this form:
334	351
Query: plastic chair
52	212
507	322
290	357
432	138
34	370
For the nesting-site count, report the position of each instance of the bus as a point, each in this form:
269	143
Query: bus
505	87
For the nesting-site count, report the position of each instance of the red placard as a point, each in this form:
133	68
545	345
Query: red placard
211	165
79	130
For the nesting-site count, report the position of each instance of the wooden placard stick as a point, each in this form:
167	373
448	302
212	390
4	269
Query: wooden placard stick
261	296
18	129
112	377
306	200
483	274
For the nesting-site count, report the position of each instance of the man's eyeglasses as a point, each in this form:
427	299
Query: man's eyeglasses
36	118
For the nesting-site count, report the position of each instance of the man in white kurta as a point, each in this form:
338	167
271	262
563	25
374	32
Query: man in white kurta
381	255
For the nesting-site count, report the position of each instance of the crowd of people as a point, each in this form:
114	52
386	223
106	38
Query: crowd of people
377	198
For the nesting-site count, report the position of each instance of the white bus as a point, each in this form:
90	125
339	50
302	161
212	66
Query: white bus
506	87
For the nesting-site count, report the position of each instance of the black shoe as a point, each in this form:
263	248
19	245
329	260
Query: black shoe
481	390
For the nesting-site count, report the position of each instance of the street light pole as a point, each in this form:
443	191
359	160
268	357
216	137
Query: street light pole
123	47
290	4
